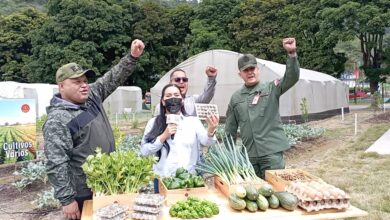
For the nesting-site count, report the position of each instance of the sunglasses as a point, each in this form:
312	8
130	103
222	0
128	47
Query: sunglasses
178	79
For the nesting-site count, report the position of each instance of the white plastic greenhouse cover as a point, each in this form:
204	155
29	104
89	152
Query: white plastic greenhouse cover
324	93
122	99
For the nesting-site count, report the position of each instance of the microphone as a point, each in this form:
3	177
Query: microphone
173	119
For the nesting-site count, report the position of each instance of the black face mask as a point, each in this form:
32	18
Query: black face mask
173	105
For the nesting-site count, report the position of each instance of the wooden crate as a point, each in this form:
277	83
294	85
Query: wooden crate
279	184
227	189
102	201
174	195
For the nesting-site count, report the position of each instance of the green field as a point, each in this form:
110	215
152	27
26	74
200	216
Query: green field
18	143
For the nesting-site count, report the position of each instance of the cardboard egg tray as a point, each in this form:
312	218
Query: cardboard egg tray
315	196
317	205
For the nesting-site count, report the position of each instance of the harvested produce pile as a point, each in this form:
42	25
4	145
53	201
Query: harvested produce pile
318	195
252	199
147	206
118	172
230	162
296	175
193	208
183	179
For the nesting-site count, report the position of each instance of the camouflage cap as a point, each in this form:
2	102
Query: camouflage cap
71	71
246	61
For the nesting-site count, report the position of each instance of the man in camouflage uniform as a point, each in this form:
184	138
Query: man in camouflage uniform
77	124
255	109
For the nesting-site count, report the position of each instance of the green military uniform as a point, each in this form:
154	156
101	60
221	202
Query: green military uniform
260	125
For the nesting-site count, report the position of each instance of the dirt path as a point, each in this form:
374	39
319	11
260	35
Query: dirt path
307	155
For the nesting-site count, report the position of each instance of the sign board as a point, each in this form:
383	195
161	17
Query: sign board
17	130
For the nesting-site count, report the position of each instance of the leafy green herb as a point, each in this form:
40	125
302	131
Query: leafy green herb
118	172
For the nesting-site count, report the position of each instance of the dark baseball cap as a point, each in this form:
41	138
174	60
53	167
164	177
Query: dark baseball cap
71	71
246	61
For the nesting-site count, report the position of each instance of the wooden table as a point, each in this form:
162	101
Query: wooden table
271	214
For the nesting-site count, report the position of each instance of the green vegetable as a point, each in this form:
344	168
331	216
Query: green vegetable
287	200
184	176
198	181
251	205
273	202
262	202
251	192
230	162
118	172
193	208
175	184
236	203
266	190
167	182
180	171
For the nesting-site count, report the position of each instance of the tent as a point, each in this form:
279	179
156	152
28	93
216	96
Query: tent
123	99
325	95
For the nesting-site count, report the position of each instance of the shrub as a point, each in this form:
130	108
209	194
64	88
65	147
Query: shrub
46	200
34	172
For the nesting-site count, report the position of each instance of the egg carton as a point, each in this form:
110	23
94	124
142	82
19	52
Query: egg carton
315	191
203	110
147	209
112	212
318	205
315	196
154	200
144	216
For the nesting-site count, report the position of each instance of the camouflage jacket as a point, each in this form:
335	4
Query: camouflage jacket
73	132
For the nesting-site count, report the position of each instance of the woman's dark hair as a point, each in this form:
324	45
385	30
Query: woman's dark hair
160	123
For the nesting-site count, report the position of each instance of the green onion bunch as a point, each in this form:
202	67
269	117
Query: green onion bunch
230	162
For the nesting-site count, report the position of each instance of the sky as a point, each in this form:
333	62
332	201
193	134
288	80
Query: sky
11	111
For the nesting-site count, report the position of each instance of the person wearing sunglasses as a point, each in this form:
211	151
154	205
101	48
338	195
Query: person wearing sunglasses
179	77
254	108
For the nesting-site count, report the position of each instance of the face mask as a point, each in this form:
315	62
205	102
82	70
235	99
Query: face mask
173	105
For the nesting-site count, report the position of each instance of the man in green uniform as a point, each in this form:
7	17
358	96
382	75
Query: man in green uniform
255	109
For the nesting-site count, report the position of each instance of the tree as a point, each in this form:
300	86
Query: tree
93	33
258	28
302	20
155	28
263	24
15	42
365	20
209	29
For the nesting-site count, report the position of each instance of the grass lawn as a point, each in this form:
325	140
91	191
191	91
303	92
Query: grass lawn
339	159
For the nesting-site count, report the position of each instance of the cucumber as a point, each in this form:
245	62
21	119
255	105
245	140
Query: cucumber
251	192
266	190
262	202
287	200
236	203
273	202
251	205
